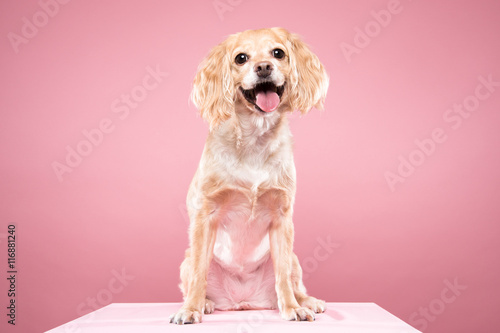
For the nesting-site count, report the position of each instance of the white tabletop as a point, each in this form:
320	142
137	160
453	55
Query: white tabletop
153	317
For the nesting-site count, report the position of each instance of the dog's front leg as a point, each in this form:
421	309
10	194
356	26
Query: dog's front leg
202	236
281	243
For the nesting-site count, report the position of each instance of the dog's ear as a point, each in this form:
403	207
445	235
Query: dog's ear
213	89
309	80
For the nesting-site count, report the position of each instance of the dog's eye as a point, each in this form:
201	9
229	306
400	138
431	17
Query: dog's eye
241	58
278	53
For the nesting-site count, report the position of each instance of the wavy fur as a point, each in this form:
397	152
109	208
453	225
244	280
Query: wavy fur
240	201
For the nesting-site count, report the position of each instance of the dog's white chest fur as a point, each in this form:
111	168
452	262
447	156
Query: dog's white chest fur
242	236
241	274
242	239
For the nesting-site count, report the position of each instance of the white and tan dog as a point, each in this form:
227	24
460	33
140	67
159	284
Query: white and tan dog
240	202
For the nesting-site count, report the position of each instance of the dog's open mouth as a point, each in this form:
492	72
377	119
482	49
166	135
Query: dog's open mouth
265	96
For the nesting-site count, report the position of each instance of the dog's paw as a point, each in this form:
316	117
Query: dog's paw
300	314
317	305
186	316
209	306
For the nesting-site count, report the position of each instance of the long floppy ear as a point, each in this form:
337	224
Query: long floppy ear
213	89
309	80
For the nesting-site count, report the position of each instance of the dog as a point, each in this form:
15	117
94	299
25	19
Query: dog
240	201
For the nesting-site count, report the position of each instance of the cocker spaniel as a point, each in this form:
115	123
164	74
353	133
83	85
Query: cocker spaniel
240	201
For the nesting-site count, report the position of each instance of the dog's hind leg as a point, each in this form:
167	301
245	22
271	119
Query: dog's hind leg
209	306
299	289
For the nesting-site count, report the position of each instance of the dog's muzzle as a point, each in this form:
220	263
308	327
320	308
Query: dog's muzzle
265	96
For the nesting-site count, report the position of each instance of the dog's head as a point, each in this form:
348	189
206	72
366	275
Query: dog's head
265	71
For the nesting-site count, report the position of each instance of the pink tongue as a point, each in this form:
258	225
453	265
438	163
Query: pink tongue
267	101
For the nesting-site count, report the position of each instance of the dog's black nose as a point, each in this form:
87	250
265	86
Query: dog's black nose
263	69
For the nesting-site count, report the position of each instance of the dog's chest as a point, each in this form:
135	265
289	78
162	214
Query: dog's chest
242	240
260	166
241	253
252	176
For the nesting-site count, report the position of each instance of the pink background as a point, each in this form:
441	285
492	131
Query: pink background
121	208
